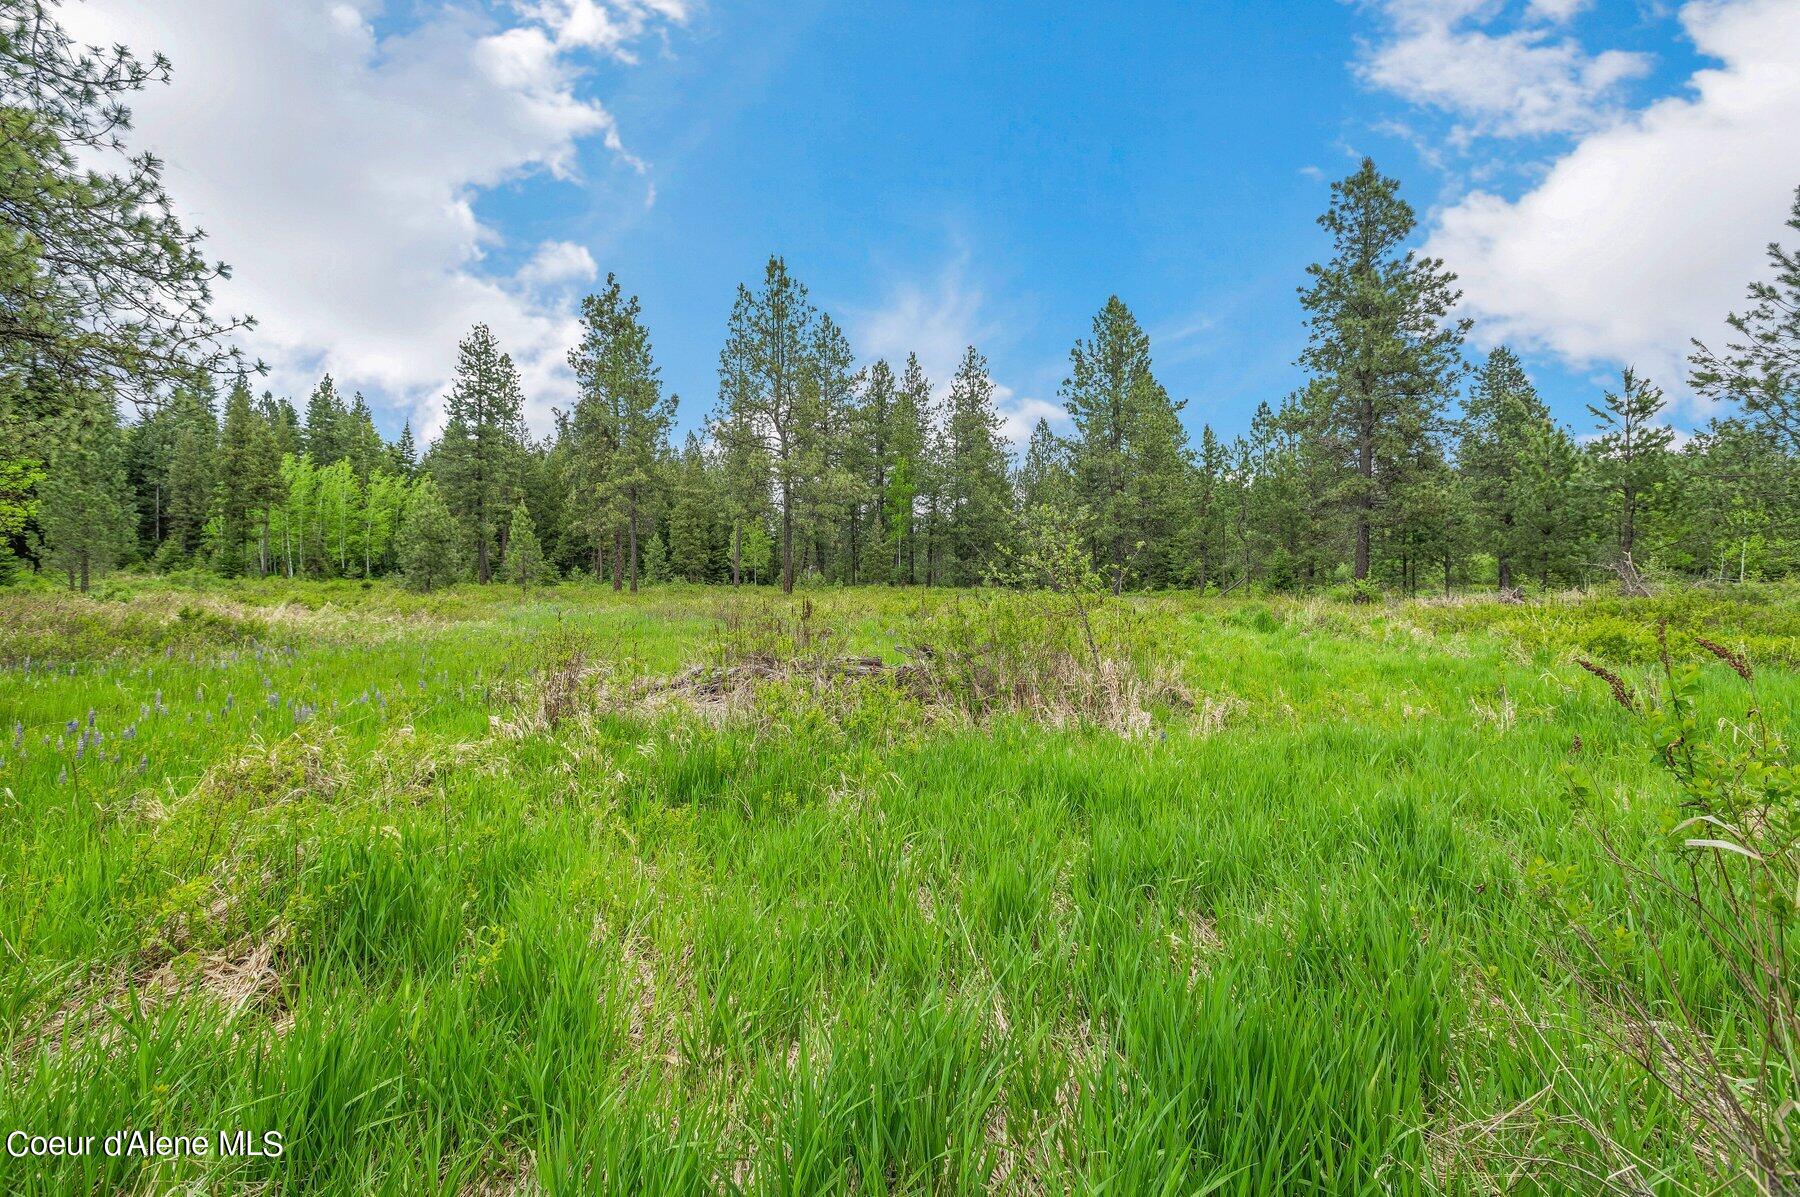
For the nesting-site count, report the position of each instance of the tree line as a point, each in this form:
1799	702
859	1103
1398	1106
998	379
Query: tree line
131	434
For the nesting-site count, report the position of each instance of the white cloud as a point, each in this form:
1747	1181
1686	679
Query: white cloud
337	172
557	263
1522	82
1645	233
1556	10
938	321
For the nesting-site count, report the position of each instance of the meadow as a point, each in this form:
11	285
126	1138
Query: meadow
872	891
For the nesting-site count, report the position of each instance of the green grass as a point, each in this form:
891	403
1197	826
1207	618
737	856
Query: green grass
322	866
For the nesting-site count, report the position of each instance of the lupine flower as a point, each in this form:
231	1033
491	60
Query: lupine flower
92	715
74	725
62	775
18	735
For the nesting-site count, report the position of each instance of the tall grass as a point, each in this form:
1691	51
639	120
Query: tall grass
464	893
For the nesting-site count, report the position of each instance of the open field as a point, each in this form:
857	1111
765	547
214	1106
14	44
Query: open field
479	893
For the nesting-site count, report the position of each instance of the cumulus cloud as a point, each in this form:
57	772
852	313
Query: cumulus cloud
557	263
337	170
1525	81
1645	233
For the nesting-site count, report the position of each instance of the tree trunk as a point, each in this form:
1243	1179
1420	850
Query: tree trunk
737	553
632	528
618	561
787	542
1365	466
1628	533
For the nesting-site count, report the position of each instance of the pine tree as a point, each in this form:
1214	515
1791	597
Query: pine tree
189	480
656	559
239	476
284	421
1739	503
689	548
870	461
524	556
477	460
360	441
325	424
431	543
1551	506
266	489
1502	409
1383	348
1044	478
977	492
763	374
909	479
1761	367
85	510
1207	533
1128	451
403	454
828	487
99	281
621	422
1631	455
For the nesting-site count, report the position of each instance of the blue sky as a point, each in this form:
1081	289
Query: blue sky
941	173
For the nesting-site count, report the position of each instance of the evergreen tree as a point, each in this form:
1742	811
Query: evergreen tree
871	462
403	454
621	423
284	422
766	408
524	556
1631	455
326	420
830	487
909	478
1382	348
99	281
977	493
85	512
1551	506
431	543
1761	367
1502	410
1739	516
1128	450
189	479
360	441
477	460
1207	535
1044	479
656	559
240	474
690	551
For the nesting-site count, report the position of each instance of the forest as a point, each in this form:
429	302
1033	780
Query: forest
1408	462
